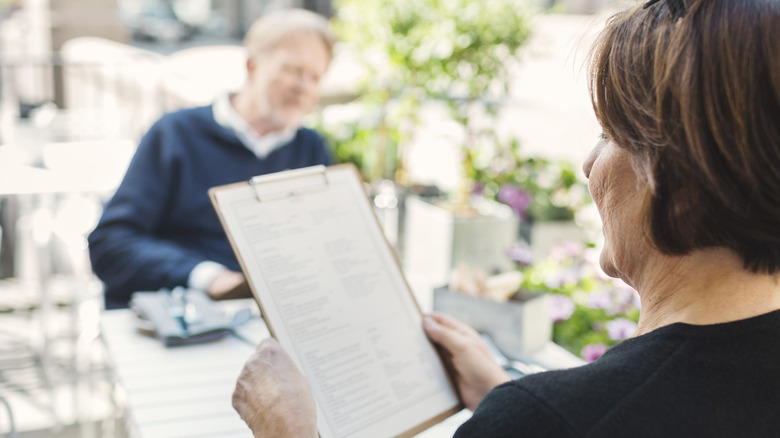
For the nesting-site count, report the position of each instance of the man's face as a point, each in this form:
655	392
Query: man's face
285	82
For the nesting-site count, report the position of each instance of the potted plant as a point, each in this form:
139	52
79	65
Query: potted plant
546	194
458	52
451	54
590	311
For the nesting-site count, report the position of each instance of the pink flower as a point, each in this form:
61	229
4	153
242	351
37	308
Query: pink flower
565	250
632	297
637	301
620	328
614	301
562	307
592	352
562	277
598	300
624	298
521	254
514	197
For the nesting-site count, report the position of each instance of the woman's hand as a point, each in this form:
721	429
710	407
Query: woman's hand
272	396
476	372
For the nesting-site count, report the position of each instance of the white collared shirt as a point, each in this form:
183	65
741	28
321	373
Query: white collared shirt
261	145
204	273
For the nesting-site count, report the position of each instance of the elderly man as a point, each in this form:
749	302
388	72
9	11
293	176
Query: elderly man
159	230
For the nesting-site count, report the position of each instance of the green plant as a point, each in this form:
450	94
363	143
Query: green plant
537	189
456	51
361	138
591	312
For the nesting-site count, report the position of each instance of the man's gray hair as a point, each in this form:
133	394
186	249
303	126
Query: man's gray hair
270	29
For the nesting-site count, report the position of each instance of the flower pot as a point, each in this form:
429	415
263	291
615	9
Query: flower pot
518	327
435	239
546	234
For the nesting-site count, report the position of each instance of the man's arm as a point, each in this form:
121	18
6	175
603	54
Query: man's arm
124	251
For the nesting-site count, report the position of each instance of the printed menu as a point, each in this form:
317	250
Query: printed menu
334	296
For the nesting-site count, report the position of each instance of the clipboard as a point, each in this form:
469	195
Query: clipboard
333	294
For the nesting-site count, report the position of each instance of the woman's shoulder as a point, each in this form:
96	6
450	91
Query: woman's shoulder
664	374
560	403
512	410
570	402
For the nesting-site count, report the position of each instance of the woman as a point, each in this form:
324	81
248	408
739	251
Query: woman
687	181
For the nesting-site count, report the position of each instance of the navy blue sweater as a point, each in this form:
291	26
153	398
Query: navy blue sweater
160	222
682	380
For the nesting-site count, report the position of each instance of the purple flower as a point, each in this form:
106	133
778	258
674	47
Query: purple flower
601	275
521	254
620	328
592	352
515	197
554	280
614	301
566	249
560	278
598	300
637	301
623	299
562	307
632	297
571	276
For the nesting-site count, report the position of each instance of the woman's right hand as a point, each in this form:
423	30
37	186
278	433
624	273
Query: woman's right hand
272	396
476	372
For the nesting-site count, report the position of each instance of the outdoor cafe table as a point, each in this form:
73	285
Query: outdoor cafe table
186	391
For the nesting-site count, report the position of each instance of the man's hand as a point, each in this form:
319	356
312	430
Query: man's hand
272	396
226	286
476	372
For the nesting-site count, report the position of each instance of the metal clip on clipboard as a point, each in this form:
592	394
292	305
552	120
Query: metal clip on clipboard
290	183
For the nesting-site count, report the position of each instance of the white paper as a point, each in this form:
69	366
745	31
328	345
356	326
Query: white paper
336	300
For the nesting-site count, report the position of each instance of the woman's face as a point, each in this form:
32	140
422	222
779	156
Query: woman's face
618	193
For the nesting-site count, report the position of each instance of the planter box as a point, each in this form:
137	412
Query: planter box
435	240
546	234
518	328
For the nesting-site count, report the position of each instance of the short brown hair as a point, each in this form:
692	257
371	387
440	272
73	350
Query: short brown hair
267	31
696	101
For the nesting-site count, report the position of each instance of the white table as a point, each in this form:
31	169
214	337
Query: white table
182	391
186	391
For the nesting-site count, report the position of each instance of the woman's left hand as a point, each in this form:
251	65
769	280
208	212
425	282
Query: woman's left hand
273	397
476	372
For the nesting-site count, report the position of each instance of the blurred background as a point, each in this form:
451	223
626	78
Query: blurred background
82	80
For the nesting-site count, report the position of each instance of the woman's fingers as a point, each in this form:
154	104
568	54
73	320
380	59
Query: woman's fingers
476	372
